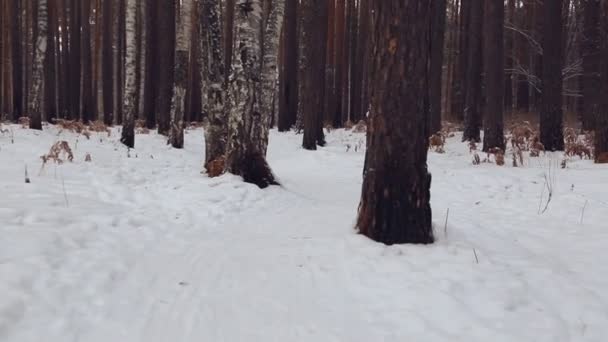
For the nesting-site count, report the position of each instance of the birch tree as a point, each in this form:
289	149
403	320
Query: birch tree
182	49
130	109
35	97
247	134
214	91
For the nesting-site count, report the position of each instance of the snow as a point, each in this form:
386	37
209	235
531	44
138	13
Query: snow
140	246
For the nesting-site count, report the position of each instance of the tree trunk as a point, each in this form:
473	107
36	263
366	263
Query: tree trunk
165	49
438	12
86	86
339	62
151	66
591	62
246	143
313	60
17	75
472	117
130	109
494	72
216	134
107	65
272	33
395	200
601	121
35	96
288	102
182	51
551	116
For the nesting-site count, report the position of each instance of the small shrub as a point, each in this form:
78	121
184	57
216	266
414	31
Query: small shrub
216	167
58	150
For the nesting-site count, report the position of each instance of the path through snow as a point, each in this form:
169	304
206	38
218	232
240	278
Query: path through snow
139	246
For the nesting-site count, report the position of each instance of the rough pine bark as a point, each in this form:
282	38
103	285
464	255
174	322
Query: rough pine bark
216	133
494	75
107	65
288	102
16	59
151	63
601	119
438	12
395	200
472	117
272	34
182	52
591	61
312	59
35	96
245	148
551	114
165	49
339	61
131	84
86	86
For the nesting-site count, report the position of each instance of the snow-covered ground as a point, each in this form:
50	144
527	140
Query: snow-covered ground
140	246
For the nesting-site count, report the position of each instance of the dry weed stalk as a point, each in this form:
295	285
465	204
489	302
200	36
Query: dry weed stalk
59	149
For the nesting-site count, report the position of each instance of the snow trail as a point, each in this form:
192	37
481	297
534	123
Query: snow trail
148	249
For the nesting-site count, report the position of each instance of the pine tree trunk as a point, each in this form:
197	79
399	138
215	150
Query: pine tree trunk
107	65
165	49
182	55
339	62
245	143
551	116
591	62
17	75
601	119
438	8
130	109
75	58
494	75
472	117
313	60
216	133
50	72
35	96
86	86
151	66
395	205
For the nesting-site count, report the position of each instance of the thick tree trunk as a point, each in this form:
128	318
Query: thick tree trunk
130	109
50	68
313	65
17	75
591	62
459	86
35	97
272	33
216	133
245	143
601	119
438	8
395	205
107	65
472	117
551	116
75	59
288	102
494	72
182	51
339	61
165	49
86	85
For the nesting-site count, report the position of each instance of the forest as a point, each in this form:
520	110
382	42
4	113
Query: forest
303	170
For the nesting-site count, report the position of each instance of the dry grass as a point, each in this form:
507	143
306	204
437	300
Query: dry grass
216	167
59	152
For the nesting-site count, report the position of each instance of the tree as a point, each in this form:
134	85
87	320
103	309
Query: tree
130	109
87	102
246	139
591	61
494	75
35	96
314	27
272	33
551	114
395	205
438	12
165	50
601	120
472	117
216	134
151	63
182	49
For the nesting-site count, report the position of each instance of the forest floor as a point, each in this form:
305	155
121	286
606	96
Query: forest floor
140	246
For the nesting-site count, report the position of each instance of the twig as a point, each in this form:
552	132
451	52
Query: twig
65	194
583	211
445	227
476	258
27	178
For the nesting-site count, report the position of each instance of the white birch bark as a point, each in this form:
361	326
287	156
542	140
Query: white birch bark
129	110
35	94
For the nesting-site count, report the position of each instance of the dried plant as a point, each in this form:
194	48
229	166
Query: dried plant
58	150
24	121
360	127
87	158
437	142
216	167
99	127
